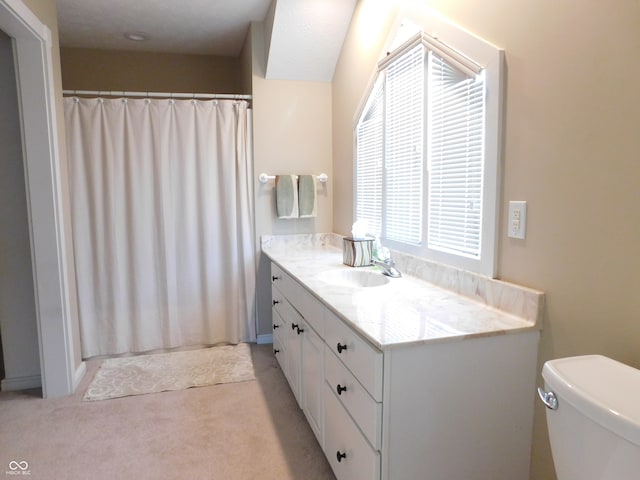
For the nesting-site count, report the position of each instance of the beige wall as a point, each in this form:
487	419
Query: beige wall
46	12
92	69
246	65
571	150
292	135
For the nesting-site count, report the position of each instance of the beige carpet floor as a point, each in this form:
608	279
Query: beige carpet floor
234	431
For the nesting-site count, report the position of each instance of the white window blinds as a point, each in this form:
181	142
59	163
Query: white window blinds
455	158
403	153
369	156
427	152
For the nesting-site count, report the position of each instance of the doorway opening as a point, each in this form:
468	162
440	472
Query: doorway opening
61	368
20	367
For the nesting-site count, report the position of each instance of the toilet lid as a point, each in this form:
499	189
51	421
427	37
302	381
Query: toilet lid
602	389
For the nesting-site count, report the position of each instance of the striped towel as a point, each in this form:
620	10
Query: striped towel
286	196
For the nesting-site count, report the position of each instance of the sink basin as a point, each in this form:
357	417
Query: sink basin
353	278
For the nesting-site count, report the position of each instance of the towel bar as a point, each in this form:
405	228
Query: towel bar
264	178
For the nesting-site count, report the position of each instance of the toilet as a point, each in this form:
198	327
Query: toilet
593	416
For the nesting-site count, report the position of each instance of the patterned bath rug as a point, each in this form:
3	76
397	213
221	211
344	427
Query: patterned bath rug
161	372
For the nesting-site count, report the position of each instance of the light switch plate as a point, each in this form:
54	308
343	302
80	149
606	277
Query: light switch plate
517	227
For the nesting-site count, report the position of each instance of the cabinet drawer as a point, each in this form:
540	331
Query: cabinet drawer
279	350
366	412
289	315
309	307
277	300
277	274
278	325
342	437
291	289
364	362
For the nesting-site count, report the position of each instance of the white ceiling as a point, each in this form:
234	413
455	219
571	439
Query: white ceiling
307	31
212	27
303	44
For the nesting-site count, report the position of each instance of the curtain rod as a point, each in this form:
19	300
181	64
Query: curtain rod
105	93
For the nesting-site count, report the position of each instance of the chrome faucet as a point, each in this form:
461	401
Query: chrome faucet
388	267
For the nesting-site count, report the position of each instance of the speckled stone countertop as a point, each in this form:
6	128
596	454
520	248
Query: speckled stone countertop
430	303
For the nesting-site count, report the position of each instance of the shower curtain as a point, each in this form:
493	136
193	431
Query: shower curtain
163	229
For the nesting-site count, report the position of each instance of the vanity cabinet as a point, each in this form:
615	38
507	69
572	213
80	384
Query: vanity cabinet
299	346
457	408
335	376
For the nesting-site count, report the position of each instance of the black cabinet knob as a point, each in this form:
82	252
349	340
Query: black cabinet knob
341	347
275	350
341	389
300	330
294	326
340	456
274	278
275	302
275	326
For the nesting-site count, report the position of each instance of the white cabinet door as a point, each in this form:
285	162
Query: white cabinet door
279	342
313	380
286	324
293	329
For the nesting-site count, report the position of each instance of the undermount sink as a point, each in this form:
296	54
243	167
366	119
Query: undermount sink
353	278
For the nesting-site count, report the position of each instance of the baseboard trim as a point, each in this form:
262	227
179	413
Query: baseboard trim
263	339
79	375
21	383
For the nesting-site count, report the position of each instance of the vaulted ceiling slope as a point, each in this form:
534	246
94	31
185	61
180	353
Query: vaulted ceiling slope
309	33
303	37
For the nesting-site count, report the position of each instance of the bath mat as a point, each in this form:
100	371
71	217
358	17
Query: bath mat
139	375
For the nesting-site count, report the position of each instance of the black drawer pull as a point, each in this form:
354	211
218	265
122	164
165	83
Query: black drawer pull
294	326
274	278
341	389
275	350
300	330
341	347
275	302
340	456
275	326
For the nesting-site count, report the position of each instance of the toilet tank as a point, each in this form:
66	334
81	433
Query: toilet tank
595	430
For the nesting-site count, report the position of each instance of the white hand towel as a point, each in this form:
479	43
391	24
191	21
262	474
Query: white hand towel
286	196
307	196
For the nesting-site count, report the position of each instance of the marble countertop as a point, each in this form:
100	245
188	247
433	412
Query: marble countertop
405	310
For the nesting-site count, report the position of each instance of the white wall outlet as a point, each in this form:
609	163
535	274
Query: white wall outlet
517	219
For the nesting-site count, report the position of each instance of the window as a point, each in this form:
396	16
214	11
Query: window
427	143
456	136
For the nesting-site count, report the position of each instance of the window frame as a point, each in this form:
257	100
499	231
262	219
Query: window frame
452	40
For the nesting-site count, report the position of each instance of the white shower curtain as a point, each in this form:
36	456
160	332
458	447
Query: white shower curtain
163	228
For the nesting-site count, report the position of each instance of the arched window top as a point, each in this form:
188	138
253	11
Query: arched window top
454	57
427	149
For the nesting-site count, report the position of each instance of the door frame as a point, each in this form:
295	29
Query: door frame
36	97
